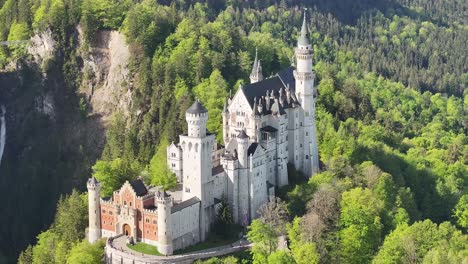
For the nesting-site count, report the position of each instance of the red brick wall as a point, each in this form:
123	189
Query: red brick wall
107	217
127	198
150	226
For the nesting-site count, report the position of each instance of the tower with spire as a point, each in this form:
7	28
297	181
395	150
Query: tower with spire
256	75
305	94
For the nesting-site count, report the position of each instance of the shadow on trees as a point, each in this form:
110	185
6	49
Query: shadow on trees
422	182
45	156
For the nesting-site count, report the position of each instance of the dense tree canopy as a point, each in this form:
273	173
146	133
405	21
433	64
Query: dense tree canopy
391	114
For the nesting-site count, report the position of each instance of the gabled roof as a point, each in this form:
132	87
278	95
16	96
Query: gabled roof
259	89
139	187
251	150
287	77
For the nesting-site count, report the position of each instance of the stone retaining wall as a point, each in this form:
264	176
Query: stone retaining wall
114	255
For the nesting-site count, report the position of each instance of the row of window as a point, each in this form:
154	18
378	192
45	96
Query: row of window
104	211
147	220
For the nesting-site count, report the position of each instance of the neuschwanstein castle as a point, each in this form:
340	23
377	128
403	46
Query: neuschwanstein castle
266	125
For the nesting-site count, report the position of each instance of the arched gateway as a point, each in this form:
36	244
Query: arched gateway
127	231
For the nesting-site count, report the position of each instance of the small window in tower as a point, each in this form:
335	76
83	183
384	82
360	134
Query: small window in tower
307	156
301	123
154	221
147	220
103	211
154	233
307	133
300	145
147	231
104	221
125	202
130	203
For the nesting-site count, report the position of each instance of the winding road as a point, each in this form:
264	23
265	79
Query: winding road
2	131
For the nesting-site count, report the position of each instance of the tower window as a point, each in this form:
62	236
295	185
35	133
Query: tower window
307	156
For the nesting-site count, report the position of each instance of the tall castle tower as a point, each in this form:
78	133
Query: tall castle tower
256	75
197	146
164	204
94	211
305	93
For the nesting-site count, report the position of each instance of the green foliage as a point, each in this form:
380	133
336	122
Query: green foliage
224	218
112	174
19	31
26	256
423	241
159	172
361	227
264	238
460	212
280	257
212	93
145	248
85	253
55	244
306	253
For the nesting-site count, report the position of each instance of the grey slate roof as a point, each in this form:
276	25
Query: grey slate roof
269	129
92	180
217	170
139	187
242	135
252	148
256	93
184	204
197	108
304	36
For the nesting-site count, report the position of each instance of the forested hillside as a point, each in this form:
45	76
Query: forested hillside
392	123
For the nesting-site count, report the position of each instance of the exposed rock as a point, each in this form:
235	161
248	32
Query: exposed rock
45	104
106	75
42	46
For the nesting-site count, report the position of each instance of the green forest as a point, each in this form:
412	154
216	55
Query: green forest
392	78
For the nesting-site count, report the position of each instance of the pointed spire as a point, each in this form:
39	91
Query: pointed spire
255	108
255	64
259	71
304	37
225	110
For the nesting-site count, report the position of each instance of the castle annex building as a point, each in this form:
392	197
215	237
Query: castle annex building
266	125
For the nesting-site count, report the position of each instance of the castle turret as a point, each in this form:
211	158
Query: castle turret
226	122
196	151
256	75
305	94
94	211
164	204
196	117
242	146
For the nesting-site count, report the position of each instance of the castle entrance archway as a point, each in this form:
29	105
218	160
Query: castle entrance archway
127	231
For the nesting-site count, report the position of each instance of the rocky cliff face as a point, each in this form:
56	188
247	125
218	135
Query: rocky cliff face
106	77
51	143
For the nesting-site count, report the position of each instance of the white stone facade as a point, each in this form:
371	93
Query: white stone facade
266	125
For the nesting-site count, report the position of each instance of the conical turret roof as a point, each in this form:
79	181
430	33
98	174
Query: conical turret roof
255	64
242	135
197	108
304	37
